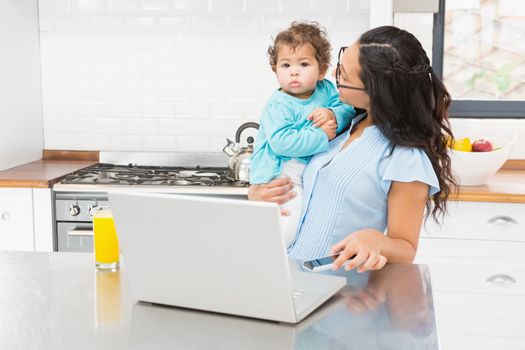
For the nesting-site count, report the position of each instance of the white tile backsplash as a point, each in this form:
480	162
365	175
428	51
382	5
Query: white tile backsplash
298	6
159	143
124	109
119	6
155	5
191	6
95	6
125	142
331	6
93	109
176	24
192	144
264	7
140	24
108	126
54	140
94	141
165	75
175	126
53	6
226	6
142	126
158	109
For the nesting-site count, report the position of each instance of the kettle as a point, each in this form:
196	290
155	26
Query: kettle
239	162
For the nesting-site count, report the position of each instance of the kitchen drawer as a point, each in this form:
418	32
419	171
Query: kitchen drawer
482	306
480	220
479	342
480	326
486	278
467	250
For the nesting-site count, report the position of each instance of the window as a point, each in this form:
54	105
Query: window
479	51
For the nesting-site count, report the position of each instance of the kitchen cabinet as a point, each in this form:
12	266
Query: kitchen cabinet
482	308
26	219
475	231
16	219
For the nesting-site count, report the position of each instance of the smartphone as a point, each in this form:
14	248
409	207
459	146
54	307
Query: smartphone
322	264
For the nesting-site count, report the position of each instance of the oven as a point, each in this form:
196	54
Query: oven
76	196
74	220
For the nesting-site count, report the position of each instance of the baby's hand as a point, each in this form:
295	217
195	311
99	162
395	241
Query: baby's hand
320	116
330	128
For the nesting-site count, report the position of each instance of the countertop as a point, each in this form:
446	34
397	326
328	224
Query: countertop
41	173
58	301
507	185
49	170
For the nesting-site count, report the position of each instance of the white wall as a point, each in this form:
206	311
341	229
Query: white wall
167	75
21	137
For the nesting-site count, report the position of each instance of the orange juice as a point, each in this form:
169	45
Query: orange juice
105	239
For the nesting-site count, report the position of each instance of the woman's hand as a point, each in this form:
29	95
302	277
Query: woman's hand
366	246
278	191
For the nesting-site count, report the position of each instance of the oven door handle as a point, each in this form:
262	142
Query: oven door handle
80	232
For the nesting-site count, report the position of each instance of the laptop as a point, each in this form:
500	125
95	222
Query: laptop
214	254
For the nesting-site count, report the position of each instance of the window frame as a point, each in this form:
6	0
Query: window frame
469	108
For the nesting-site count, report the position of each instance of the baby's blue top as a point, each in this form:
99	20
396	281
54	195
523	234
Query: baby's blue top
285	133
346	191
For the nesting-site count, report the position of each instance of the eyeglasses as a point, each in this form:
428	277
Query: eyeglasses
338	72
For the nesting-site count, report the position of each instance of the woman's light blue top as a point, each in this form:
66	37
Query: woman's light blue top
346	190
285	133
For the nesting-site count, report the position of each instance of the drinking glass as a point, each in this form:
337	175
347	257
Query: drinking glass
105	239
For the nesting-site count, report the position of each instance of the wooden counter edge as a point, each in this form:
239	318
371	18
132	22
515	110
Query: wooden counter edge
514	164
26	183
489	197
70	155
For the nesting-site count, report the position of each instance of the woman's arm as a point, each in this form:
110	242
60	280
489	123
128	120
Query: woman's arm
406	208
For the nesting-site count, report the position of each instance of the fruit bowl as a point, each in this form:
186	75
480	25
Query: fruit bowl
475	168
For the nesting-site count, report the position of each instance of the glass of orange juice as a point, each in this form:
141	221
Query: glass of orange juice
105	239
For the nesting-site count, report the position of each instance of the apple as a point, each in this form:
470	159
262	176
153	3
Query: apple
482	145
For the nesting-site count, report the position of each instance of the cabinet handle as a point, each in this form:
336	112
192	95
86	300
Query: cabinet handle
80	232
502	220
501	279
5	216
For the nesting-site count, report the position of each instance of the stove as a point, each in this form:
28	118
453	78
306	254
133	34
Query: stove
77	194
134	175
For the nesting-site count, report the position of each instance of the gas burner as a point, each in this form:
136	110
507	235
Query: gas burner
181	182
109	174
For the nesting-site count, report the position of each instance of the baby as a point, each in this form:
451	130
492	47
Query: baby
300	117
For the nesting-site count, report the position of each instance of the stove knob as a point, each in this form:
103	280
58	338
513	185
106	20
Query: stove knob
74	210
92	208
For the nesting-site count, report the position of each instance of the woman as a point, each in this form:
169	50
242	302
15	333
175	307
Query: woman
386	169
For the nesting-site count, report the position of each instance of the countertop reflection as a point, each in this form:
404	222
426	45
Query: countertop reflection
59	301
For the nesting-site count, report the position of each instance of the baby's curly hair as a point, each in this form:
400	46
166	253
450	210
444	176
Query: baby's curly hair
299	34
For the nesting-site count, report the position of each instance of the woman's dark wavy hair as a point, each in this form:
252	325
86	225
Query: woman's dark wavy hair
408	102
